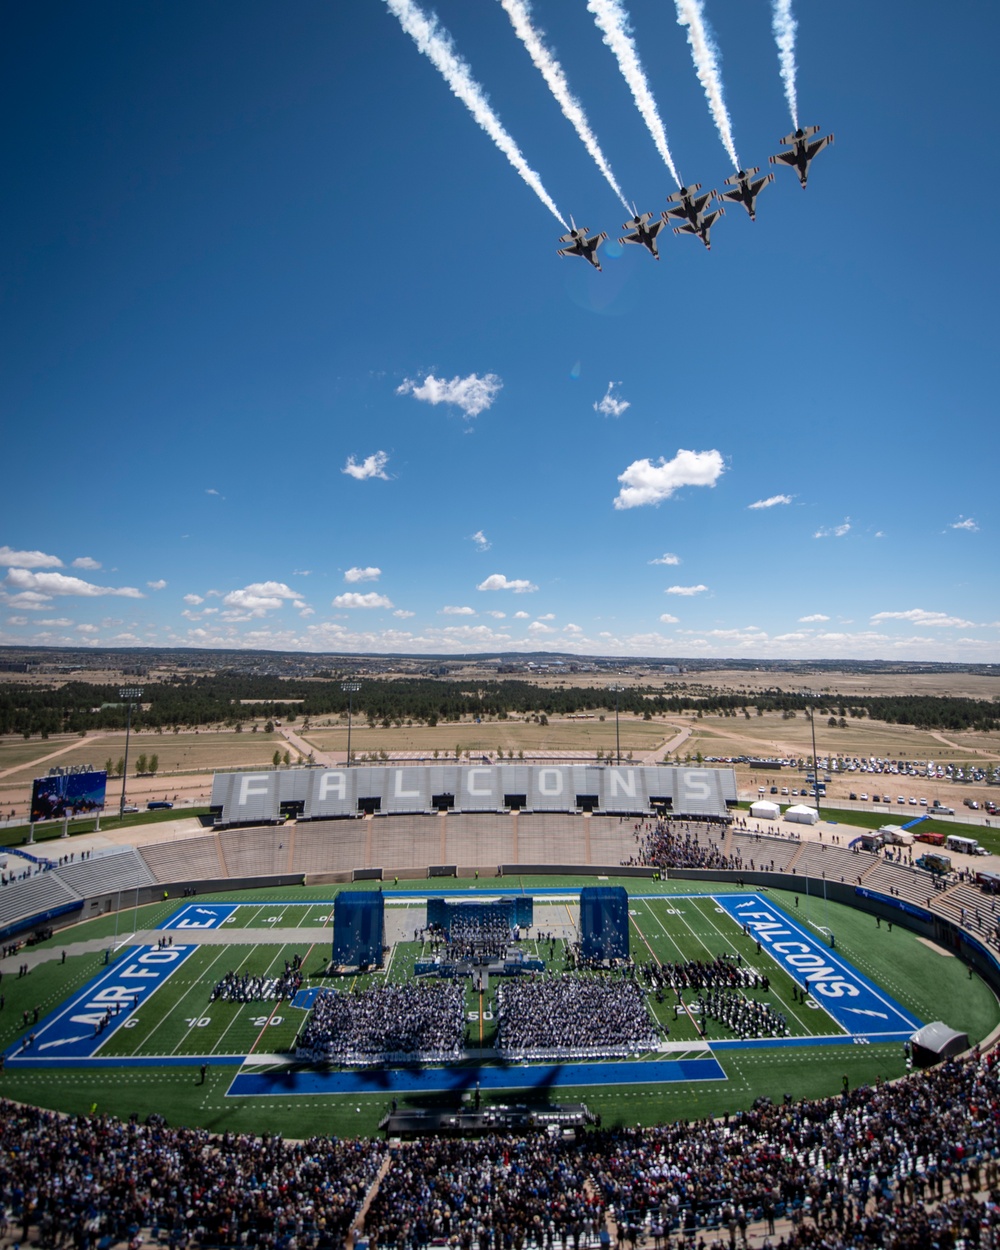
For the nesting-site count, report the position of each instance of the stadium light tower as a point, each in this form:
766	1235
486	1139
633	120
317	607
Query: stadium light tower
618	742
131	694
350	688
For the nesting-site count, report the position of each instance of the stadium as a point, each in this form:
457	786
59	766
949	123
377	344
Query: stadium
493	1004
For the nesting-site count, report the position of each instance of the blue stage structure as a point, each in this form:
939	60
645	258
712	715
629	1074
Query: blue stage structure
358	928
604	922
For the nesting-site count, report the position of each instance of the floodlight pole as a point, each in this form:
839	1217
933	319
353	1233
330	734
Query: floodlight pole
618	742
128	693
812	725
350	688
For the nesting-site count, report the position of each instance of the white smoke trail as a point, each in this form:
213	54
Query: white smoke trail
519	12
784	27
436	44
613	21
690	13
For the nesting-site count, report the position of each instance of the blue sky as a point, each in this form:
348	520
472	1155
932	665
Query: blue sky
289	360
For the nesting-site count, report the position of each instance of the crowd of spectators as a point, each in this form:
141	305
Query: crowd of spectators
416	1021
484	938
79	1180
568	1013
247	987
901	1166
683	844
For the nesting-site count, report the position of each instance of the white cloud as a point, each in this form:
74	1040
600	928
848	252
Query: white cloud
809	620
497	581
646	483
521	616
771	502
920	616
157	585
257	599
86	562
965	523
23	620
548	616
353	599
28	559
403	614
31	600
497	614
302	572
572	629
194	600
472	395
451	610
880	533
668	557
371	466
62	584
609	406
667	619
833	531
86	629
481	541
369	574
210	490
687	591
539	628
62	622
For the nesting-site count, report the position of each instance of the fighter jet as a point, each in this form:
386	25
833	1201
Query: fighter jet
745	190
802	151
580	245
644	231
691	210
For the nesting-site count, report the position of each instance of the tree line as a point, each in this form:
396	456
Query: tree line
239	700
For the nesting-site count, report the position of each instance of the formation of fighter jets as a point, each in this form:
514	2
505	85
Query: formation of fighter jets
692	210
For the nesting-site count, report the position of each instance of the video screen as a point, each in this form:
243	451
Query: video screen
73	794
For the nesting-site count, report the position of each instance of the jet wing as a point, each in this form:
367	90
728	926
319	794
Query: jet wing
785	158
813	148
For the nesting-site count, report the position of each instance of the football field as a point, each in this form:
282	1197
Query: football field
847	1002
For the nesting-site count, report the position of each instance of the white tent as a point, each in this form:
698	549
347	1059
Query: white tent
802	815
764	809
897	835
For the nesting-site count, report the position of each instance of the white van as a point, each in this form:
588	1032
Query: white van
964	846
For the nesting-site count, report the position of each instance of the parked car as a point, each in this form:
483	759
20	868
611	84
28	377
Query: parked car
157	805
852	795
774	789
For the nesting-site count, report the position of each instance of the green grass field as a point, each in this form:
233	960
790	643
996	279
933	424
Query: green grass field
675	923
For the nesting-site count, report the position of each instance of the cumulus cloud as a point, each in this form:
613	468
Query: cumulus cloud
771	502
86	562
497	581
159	584
354	599
86	629
965	523
920	616
50	584
452	610
30	599
403	614
833	531
368	574
539	628
212	491
28	559
687	591
521	616
667	619
472	395
570	628
644	482
194	600
809	620
371	466
610	406
257	599
481	541
62	622
668	557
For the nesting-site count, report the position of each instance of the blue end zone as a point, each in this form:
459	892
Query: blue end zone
75	1031
200	916
854	1002
291	1081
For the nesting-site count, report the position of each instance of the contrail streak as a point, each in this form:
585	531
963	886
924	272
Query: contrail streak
613	21
436	44
519	12
690	13
784	27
